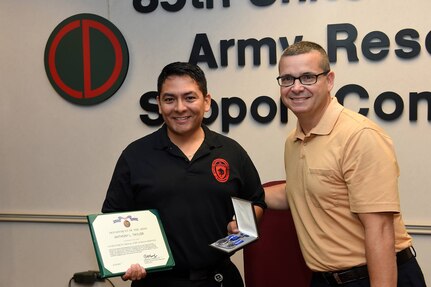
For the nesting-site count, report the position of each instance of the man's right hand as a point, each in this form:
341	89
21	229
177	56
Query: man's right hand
135	272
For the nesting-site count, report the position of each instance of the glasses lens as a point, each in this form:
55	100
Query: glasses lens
286	81
308	79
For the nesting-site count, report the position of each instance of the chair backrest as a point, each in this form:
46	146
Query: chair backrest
275	259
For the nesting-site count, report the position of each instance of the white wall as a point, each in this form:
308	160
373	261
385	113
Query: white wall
57	158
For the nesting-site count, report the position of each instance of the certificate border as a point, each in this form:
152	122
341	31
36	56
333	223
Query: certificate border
104	273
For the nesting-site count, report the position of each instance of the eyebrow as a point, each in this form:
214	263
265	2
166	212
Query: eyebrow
305	73
167	94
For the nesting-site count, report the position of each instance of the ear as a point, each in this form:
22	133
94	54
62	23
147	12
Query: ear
207	101
158	104
331	79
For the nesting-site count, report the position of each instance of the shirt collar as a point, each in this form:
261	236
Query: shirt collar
211	138
326	123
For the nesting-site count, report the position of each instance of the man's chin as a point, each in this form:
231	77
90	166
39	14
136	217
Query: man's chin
182	130
298	110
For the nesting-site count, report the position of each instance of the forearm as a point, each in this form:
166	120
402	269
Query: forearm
380	252
275	196
382	266
258	211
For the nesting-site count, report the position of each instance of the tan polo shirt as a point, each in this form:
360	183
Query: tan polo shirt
346	165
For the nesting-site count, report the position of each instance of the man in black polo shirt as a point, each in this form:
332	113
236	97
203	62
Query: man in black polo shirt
189	174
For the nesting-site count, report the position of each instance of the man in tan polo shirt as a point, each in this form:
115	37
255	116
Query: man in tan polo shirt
342	183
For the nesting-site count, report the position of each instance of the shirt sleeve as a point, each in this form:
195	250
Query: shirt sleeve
371	172
252	188
120	194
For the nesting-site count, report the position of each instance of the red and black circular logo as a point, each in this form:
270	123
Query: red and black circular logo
86	59
220	169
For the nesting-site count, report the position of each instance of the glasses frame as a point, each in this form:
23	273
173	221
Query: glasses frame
299	78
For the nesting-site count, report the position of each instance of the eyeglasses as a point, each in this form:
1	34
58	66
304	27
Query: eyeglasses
305	79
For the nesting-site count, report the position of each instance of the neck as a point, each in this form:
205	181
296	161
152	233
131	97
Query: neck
190	143
306	126
308	121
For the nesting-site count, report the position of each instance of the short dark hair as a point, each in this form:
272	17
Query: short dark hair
183	69
304	47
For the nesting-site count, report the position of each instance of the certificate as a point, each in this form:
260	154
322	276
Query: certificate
126	238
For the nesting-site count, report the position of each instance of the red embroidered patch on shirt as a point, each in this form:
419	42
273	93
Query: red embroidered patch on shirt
220	169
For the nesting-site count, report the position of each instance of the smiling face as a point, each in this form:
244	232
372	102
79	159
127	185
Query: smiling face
307	102
182	105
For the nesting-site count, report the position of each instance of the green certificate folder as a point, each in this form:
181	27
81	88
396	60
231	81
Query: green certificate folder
126	238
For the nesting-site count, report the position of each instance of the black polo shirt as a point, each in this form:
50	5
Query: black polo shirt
192	197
